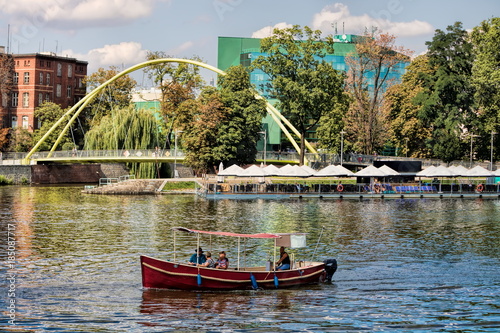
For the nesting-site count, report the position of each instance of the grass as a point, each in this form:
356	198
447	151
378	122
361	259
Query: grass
180	185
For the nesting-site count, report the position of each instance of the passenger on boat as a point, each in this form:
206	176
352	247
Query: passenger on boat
284	262
223	262
210	263
201	257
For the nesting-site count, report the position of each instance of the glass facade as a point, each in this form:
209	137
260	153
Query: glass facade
233	51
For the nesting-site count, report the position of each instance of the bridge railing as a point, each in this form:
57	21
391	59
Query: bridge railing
118	153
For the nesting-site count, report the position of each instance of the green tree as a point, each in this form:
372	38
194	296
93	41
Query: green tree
177	82
48	114
331	124
306	86
486	78
406	129
116	94
370	68
127	129
21	140
222	125
448	95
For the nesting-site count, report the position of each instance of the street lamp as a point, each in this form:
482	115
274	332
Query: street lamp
471	137
491	146
265	145
175	153
342	146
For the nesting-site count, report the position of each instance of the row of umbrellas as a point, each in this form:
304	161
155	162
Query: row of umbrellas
340	171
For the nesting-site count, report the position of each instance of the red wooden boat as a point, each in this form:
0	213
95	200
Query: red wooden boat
158	273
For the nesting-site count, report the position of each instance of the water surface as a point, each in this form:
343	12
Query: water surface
404	265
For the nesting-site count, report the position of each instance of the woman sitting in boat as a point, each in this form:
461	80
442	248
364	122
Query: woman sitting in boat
223	262
284	262
210	263
199	255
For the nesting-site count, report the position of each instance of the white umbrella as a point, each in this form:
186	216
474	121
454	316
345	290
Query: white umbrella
388	170
370	171
497	173
308	169
286	170
299	171
253	171
459	170
426	172
329	171
272	170
344	171
479	171
442	171
233	170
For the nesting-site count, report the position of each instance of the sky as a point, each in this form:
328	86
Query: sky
121	32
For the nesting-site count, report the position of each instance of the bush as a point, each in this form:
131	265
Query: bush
5	181
179	186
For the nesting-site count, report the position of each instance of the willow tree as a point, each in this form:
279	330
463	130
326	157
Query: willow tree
372	69
306	86
178	82
127	129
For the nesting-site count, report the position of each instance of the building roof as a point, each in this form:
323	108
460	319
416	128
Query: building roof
50	55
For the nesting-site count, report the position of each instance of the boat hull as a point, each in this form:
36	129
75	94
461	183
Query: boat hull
169	275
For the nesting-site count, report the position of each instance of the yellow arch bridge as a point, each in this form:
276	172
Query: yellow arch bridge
71	115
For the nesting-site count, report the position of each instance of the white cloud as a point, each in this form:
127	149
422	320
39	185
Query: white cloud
268	31
181	48
123	54
339	14
77	13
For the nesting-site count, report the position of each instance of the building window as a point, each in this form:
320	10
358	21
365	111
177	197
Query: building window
68	90
40	99
59	69
15	99
26	100
14	121
49	64
38	123
48	79
47	97
80	82
26	77
41	78
70	71
41	63
4	100
16	77
58	90
25	122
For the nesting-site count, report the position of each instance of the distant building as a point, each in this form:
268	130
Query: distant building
40	77
234	51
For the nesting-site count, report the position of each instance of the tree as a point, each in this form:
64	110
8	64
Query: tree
177	82
128	129
330	126
116	94
48	114
6	79
448	97
222	125
306	86
486	77
406	129
21	140
371	72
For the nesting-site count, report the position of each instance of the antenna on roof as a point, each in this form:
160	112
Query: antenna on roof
343	28
8	38
336	31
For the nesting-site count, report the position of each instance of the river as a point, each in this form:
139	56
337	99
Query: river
404	265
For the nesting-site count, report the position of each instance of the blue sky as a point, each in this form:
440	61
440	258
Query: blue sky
119	32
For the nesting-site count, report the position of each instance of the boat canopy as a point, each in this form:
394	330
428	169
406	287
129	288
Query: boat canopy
228	234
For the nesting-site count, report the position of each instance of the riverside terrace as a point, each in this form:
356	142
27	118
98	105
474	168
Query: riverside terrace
371	182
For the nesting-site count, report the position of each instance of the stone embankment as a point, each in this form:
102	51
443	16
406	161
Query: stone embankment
131	186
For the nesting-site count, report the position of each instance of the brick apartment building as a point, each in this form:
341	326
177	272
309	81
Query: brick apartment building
40	77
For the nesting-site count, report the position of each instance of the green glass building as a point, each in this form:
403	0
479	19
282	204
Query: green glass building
234	51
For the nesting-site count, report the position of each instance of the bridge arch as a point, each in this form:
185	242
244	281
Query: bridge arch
76	109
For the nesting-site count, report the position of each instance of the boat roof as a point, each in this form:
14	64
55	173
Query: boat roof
228	234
